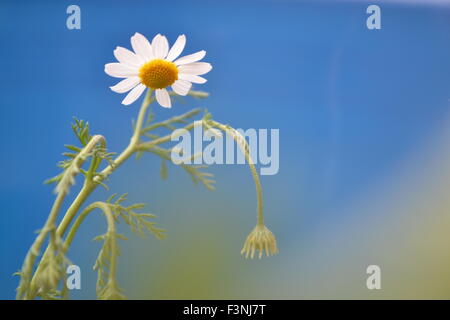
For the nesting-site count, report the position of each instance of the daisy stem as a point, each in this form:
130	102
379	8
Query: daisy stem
88	187
242	143
77	223
111	229
176	119
26	287
27	269
144	146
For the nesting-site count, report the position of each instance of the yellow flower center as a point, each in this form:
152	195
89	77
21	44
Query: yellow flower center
158	74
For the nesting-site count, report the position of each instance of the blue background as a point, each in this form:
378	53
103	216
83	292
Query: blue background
353	106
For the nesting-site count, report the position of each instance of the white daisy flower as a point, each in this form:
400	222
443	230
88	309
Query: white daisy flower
154	66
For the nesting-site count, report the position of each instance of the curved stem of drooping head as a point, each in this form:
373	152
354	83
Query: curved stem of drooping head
242	143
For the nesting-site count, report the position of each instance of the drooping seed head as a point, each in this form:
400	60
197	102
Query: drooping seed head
260	239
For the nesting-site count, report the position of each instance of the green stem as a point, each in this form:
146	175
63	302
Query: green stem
132	147
79	220
32	254
26	287
144	146
85	191
175	119
88	187
111	229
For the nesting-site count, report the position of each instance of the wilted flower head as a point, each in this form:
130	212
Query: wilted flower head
261	239
153	65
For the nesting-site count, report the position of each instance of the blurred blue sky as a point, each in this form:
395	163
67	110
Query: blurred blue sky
351	104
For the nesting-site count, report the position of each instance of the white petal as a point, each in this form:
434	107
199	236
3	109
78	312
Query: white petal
162	96
191	78
177	48
134	94
191	58
196	68
181	87
126	84
120	70
141	46
127	57
160	46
